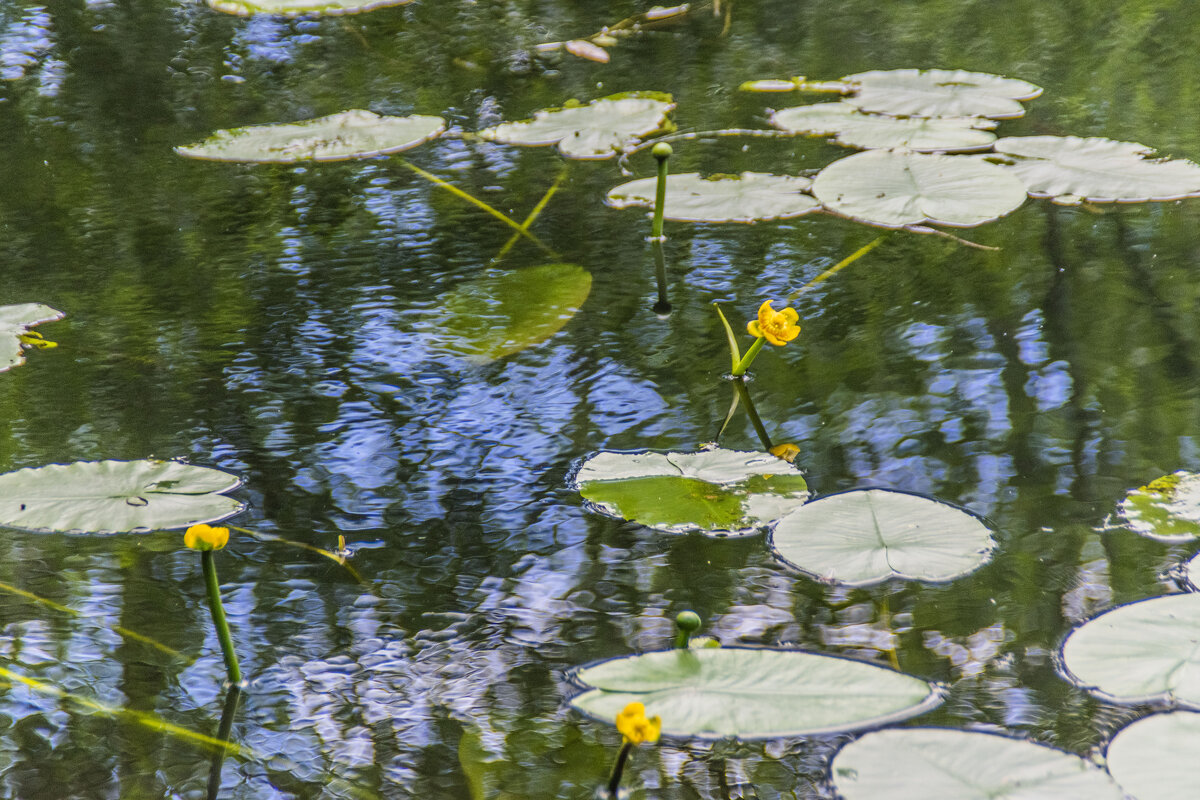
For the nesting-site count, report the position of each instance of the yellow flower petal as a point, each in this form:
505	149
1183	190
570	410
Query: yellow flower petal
634	726
752	326
206	537
777	327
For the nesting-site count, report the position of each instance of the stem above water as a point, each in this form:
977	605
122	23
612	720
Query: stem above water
209	566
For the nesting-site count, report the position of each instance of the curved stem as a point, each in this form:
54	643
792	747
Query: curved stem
218	614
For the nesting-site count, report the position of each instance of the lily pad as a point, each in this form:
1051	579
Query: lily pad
115	496
1166	509
753	693
338	137
1155	758
749	197
898	190
1070	170
597	130
867	536
853	128
942	764
939	93
505	311
297	8
720	492
15	322
1140	652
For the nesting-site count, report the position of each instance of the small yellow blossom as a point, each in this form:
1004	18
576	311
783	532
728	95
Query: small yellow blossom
786	451
777	327
206	537
634	726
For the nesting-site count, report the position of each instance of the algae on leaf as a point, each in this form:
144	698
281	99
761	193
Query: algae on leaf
1167	509
749	197
597	130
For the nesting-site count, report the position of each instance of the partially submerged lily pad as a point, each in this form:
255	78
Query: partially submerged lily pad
1140	652
898	190
944	764
939	93
115	496
1070	170
1166	509
851	127
505	311
1155	758
723	492
867	536
338	137
749	197
753	693
597	130
297	8
15	322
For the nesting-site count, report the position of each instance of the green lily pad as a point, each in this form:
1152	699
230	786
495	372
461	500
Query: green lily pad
597	130
1140	652
505	311
719	492
297	8
898	190
15	322
852	128
753	693
1071	170
943	764
115	496
1155	758
749	197
867	536
939	93
1166	509
338	137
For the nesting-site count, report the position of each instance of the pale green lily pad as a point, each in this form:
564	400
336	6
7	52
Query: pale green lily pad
115	496
853	128
597	130
1166	509
1070	170
1140	652
749	197
505	311
718	492
939	93
944	764
298	8
1155	758
753	693
898	190
338	137
867	536
15	322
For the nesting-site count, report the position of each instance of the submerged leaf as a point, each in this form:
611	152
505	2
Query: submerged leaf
853	128
749	197
1166	509
596	130
15	322
338	137
940	93
753	693
297	8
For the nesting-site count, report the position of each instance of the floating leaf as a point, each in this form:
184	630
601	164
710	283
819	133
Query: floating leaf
942	764
853	128
297	8
15	322
1140	652
1166	509
940	93
338	137
713	491
1070	170
866	536
753	693
505	311
749	197
897	190
1155	757
115	496
596	130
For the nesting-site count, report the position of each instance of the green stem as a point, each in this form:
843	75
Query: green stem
752	412
614	780
739	369
218	614
661	152
663	306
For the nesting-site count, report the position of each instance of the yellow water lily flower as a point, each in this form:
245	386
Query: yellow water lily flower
786	451
777	327
635	727
206	537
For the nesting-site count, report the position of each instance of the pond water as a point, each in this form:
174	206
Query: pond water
266	320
